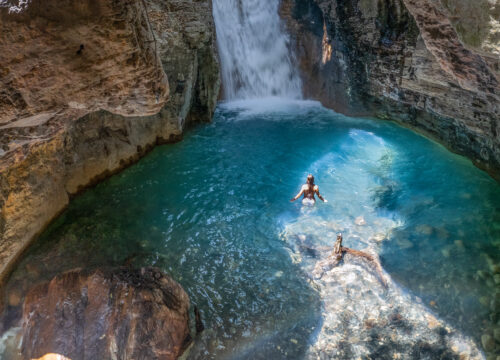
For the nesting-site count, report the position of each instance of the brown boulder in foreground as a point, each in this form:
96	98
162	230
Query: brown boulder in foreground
107	314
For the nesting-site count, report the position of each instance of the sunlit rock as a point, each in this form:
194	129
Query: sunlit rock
53	356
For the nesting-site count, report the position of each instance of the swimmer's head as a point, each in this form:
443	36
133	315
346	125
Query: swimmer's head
310	179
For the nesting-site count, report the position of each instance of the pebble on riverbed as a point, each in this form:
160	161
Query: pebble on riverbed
496	334
446	252
424	229
360	221
404	243
496	278
459	244
378	237
488	342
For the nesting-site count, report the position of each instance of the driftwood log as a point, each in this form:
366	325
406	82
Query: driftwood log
337	255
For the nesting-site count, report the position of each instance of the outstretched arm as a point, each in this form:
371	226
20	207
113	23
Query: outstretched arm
316	189
298	195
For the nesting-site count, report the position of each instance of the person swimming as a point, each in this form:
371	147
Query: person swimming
309	189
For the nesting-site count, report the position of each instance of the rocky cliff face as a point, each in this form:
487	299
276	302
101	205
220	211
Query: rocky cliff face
426	63
86	88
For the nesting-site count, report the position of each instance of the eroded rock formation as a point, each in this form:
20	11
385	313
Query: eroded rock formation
405	60
106	314
71	115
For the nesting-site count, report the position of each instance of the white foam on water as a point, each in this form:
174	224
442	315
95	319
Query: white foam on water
270	106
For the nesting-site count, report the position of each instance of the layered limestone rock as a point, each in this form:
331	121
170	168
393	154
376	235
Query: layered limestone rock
406	60
86	88
106	314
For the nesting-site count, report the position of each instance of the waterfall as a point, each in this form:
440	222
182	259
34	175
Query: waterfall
254	51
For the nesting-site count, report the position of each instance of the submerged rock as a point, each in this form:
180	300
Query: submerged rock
488	342
496	334
496	278
106	314
360	221
495	268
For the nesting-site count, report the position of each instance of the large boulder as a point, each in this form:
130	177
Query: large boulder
106	314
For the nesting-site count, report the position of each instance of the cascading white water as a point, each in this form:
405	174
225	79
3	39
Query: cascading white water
255	57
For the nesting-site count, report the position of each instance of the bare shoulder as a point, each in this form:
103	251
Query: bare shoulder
304	187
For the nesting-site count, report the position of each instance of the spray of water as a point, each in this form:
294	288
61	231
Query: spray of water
255	57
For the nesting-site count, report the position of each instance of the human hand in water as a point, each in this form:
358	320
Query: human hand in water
325	200
292	199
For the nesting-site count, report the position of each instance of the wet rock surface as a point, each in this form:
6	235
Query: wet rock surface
71	116
106	314
405	61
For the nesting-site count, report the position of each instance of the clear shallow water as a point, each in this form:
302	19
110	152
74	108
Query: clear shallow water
213	211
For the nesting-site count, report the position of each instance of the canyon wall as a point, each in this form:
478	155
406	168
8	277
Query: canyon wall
433	65
88	87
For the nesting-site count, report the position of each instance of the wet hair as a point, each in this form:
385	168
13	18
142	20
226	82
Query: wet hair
310	179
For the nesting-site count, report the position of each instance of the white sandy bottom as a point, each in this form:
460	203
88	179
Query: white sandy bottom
361	318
